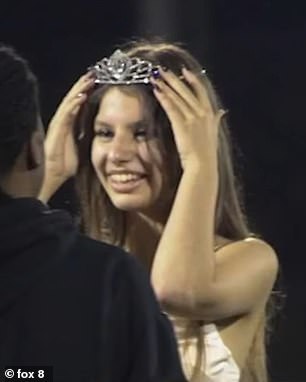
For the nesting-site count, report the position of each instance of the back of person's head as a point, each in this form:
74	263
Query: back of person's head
19	114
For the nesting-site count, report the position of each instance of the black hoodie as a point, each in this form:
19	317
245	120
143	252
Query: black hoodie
83	307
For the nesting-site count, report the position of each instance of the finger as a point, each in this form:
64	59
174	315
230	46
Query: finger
199	88
176	101
83	79
67	106
63	120
75	103
80	96
69	113
180	88
77	93
81	86
173	113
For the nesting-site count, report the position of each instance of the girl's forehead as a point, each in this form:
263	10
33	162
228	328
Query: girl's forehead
119	105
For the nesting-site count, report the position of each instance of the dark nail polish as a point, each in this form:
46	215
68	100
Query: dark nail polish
155	73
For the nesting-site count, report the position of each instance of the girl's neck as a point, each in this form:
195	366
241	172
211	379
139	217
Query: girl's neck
143	235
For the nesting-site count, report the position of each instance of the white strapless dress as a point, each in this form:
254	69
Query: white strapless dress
204	356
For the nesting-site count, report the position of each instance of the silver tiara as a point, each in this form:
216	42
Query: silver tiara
120	69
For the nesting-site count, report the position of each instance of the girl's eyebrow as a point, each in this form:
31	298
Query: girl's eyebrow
140	123
100	122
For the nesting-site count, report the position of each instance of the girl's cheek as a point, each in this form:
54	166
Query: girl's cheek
98	151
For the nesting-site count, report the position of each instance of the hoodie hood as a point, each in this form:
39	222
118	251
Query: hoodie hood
33	239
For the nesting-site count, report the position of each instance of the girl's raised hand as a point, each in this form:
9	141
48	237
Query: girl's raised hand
60	150
193	120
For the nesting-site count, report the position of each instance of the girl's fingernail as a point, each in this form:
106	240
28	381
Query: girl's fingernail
155	73
184	69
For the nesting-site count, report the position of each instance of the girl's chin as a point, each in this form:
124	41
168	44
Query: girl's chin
129	203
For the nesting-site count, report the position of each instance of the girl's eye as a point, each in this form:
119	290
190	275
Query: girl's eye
104	133
141	134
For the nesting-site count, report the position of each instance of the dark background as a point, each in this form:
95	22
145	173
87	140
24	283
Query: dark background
254	51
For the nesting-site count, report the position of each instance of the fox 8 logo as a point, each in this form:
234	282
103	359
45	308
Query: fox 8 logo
28	374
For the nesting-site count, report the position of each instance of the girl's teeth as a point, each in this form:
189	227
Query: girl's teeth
123	178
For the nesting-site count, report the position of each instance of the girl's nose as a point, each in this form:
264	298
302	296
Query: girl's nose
122	149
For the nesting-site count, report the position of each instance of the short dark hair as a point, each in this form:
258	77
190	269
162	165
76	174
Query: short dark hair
19	106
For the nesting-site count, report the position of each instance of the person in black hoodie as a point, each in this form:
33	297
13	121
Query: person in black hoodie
83	307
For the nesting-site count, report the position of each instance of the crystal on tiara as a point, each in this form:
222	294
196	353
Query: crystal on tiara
120	69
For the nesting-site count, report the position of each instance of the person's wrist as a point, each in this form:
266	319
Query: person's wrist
49	188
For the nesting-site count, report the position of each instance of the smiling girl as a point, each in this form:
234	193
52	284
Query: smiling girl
154	172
